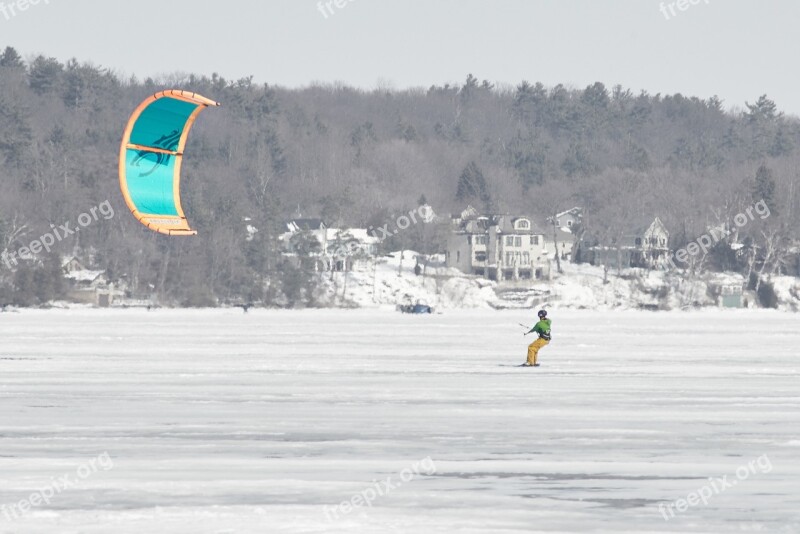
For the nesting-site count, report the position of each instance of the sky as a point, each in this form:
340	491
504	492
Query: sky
736	49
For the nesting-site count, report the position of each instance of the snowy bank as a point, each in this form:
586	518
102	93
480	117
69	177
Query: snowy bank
392	281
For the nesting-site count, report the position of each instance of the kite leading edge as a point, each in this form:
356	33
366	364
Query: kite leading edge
151	155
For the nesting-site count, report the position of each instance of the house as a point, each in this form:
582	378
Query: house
646	246
567	219
563	240
87	285
336	249
565	226
305	225
349	249
498	247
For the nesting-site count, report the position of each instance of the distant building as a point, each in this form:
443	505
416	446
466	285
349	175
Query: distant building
498	247
645	246
337	249
348	249
568	219
305	225
87	285
565	244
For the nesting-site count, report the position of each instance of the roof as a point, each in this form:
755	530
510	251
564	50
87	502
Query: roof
469	213
643	224
572	211
506	225
359	234
84	275
305	224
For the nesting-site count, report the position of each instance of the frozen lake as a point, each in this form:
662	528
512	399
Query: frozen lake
224	422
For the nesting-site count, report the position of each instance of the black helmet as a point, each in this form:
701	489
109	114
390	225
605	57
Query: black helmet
542	314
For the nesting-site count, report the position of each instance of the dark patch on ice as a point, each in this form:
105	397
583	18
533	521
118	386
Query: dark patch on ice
611	503
562	476
624	503
119	500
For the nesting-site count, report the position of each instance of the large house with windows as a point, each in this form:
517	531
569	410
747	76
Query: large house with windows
645	246
498	247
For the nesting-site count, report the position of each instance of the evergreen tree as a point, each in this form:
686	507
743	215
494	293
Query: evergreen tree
472	185
45	75
764	189
10	59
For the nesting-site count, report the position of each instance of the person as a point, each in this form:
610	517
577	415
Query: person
542	329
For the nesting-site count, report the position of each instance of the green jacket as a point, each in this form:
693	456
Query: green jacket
542	328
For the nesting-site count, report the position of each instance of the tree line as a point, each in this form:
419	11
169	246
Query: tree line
359	158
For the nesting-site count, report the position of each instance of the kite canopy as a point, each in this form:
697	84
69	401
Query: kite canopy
151	155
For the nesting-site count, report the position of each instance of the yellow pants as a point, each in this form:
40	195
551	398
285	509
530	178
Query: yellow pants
533	350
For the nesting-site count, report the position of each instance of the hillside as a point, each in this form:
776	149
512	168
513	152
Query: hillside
358	158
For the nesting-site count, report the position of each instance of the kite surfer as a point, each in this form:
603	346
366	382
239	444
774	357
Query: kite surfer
542	329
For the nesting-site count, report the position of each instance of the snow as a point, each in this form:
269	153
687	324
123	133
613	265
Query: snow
359	234
84	275
787	289
393	282
219	421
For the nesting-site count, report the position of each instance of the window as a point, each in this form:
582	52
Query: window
534	240
480	239
638	242
480	257
458	256
517	241
469	239
509	240
526	258
569	224
523	224
509	258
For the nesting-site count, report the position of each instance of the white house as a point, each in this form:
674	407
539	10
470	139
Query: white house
339	249
499	247
89	286
567	219
646	246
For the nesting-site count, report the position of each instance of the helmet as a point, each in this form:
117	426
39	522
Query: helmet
542	314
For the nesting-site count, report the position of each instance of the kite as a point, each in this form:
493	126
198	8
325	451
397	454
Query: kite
151	155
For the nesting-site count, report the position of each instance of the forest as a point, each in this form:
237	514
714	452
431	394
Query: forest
358	158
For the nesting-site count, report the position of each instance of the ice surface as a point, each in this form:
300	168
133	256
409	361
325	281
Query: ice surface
224	422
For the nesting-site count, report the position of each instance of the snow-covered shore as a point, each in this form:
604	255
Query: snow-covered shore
393	282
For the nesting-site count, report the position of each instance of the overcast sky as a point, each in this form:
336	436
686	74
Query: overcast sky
737	49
